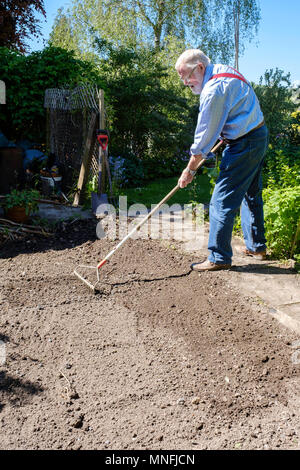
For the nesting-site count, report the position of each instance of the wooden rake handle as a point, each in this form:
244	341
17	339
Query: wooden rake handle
138	226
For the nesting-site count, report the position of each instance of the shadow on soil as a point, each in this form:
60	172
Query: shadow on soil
263	269
17	390
140	280
128	282
67	235
4	338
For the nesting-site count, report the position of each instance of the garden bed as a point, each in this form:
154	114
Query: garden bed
162	358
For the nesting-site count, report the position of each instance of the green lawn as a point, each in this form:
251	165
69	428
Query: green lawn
154	192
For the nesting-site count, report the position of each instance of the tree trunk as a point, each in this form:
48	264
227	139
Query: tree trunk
236	16
159	25
157	38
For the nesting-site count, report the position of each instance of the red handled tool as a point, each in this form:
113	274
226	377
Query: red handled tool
102	137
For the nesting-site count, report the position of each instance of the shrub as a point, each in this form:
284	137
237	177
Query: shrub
275	100
127	172
282	166
282	217
26	79
294	128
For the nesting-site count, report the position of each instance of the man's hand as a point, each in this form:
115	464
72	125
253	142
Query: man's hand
185	179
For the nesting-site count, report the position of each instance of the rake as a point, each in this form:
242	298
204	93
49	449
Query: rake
135	229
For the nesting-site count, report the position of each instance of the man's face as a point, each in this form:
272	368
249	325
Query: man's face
192	77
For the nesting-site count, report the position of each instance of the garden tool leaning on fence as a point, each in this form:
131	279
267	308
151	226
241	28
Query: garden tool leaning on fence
97	198
135	229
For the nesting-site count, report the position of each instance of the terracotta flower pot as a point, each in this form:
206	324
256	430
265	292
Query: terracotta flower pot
17	214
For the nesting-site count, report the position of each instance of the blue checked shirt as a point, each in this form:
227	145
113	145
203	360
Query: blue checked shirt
228	108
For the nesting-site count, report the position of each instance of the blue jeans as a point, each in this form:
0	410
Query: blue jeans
239	185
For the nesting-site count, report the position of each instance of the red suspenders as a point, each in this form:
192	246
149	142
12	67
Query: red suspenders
230	75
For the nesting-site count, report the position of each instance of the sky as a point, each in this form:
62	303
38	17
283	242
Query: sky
277	43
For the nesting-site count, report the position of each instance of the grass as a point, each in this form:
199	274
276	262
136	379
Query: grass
154	192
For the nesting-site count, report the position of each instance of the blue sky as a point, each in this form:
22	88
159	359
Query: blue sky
276	45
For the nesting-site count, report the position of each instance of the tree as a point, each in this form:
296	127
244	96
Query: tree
239	20
207	24
63	33
274	94
85	21
18	22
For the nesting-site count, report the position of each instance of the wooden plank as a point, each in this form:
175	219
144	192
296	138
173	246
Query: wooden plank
2	92
86	160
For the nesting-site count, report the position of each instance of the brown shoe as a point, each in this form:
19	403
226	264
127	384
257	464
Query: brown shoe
261	255
209	266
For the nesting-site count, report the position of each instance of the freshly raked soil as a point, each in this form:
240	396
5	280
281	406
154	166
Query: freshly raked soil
160	358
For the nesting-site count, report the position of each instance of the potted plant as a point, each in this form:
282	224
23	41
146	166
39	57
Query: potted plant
18	205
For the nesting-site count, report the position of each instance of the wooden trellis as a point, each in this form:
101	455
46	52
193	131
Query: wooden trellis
72	119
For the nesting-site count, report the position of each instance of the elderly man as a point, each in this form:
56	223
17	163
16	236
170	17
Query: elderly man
229	109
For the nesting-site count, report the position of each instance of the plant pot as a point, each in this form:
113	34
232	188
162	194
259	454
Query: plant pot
50	185
17	214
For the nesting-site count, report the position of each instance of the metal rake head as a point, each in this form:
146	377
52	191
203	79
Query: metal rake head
86	281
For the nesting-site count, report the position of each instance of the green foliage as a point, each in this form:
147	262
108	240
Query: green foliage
294	128
275	100
91	185
282	166
84	20
199	189
212	174
208	24
147	121
63	35
237	226
287	177
133	173
26	198
282	217
27	78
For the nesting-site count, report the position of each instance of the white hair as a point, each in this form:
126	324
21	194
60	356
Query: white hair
192	57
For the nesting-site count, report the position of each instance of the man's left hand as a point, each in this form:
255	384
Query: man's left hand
185	179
